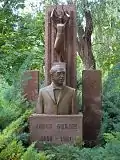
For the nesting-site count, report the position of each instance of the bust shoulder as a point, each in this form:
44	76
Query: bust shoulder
70	88
44	88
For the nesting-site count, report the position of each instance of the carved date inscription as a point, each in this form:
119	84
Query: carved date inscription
58	126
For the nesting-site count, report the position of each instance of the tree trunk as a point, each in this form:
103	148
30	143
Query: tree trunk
84	46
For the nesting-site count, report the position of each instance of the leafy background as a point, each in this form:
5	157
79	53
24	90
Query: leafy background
22	48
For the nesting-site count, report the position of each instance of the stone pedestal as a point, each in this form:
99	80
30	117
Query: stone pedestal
30	85
91	94
55	129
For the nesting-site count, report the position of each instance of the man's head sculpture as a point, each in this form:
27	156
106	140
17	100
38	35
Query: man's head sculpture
58	74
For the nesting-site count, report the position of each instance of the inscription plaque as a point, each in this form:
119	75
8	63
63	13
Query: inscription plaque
56	129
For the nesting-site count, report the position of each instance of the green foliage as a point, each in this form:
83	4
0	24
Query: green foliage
13	122
24	136
32	154
106	33
10	145
14	151
111	151
63	152
12	4
111	101
21	41
111	137
10	132
12	104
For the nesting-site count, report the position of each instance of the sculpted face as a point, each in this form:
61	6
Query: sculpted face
58	76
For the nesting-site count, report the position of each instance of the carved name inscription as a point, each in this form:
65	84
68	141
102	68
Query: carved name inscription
56	129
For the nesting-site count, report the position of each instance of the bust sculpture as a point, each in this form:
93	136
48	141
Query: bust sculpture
56	98
59	22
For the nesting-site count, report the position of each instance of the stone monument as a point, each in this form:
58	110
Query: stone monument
56	119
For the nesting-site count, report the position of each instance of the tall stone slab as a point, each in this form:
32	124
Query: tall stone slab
91	99
70	44
30	85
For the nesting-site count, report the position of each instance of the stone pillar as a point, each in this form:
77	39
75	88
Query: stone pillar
30	84
91	99
70	44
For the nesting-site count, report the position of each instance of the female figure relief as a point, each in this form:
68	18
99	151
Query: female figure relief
59	22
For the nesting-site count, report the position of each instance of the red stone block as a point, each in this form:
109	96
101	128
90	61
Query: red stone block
30	84
91	99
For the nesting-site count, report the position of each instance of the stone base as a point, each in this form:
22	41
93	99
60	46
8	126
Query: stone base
55	129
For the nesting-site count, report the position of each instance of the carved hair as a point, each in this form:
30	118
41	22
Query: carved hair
57	67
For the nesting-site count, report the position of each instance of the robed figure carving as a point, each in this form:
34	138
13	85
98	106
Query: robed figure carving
60	21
